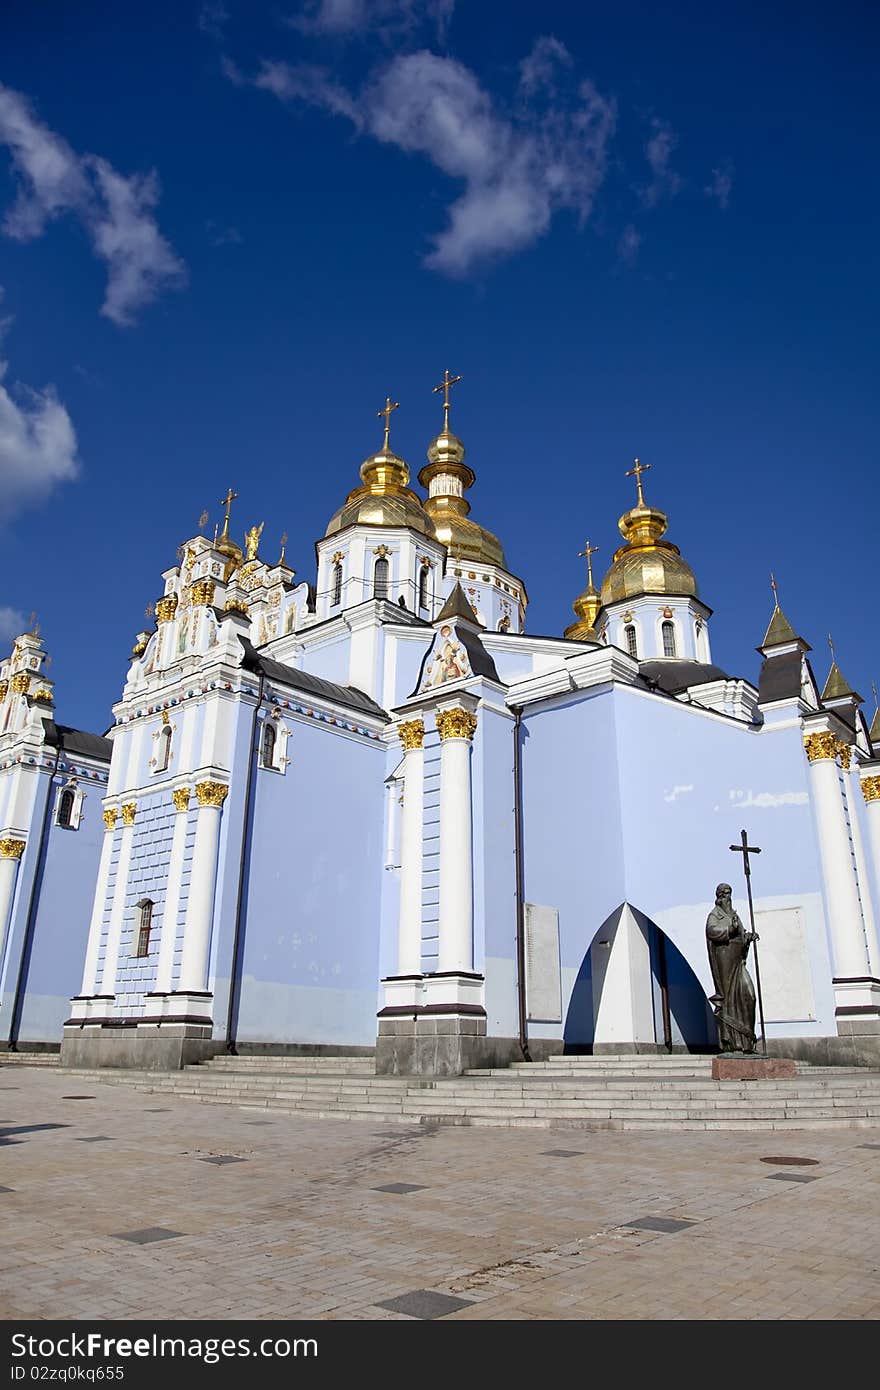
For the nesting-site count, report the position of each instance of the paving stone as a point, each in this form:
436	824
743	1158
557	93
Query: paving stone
400	1187
666	1224
424	1303
147	1235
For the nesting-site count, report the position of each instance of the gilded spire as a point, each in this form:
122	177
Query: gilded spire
779	629
587	604
447	478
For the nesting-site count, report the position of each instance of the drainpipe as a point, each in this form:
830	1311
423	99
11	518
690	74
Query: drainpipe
30	921
520	893
234	978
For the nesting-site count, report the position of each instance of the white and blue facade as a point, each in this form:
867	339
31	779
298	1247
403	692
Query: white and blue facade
330	819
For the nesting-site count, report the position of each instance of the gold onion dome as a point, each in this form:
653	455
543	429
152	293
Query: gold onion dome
646	564
383	499
586	605
446	477
224	542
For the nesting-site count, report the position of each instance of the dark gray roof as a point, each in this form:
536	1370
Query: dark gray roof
312	685
77	742
780	678
675	676
457	606
481	662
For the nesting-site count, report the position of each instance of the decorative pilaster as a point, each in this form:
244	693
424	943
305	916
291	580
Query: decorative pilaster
871	792
200	906
90	968
117	909
409	941
181	797
456	727
11	850
849	948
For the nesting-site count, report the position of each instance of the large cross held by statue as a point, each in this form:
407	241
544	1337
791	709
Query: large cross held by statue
745	849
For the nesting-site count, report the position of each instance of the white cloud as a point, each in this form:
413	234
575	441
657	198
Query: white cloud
720	186
116	211
213	17
346	18
518	169
12	624
38	446
665	183
628	244
539	69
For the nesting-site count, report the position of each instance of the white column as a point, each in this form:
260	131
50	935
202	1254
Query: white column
862	876
841	892
200	906
90	968
409	940
456	949
871	793
172	892
11	850
117	911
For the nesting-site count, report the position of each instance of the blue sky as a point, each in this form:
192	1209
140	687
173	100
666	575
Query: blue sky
230	230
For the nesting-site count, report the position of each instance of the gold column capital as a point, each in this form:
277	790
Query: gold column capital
411	734
820	747
180	796
456	723
129	811
211	793
11	848
21	683
844	752
871	788
110	817
166	608
202	592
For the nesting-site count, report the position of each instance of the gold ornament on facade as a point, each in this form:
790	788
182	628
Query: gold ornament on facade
203	593
166	608
11	849
166	718
44	694
140	645
110	818
129	811
456	723
211	793
180	796
252	540
411	734
844	752
21	683
871	788
820	747
235	605
4	686
382	551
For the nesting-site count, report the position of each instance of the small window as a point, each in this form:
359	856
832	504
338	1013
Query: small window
423	587
632	645
270	739
163	748
668	631
66	806
380	578
336	597
145	923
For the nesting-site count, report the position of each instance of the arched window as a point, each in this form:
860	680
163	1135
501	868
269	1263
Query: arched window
65	808
423	587
336	596
145	923
380	578
668	631
632	645
163	750
270	738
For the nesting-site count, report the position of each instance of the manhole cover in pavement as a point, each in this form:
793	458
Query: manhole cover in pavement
791	1162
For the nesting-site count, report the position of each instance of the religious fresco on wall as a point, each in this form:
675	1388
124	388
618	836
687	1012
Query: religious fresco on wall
449	661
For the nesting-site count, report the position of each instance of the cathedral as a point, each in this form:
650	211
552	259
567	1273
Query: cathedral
374	814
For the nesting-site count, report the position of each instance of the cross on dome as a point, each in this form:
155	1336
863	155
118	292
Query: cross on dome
445	386
389	407
636	473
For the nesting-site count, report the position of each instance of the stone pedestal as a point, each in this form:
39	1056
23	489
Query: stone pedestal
730	1068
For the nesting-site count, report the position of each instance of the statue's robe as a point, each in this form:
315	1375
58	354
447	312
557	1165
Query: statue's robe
734	998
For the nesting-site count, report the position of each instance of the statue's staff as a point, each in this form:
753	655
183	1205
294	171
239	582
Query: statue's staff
745	849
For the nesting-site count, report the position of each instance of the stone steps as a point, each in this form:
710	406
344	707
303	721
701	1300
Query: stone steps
29	1059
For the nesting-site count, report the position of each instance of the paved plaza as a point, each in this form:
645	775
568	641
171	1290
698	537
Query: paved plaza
118	1204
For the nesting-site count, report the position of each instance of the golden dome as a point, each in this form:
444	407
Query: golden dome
586	606
384	498
446	476
646	564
